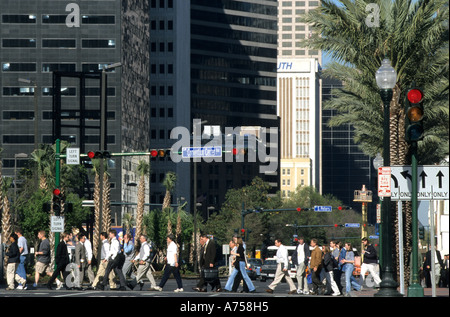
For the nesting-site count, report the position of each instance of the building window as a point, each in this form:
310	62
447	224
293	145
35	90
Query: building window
18	91
99	43
49	67
98	19
19	67
59	43
19	43
18	115
19	18
18	139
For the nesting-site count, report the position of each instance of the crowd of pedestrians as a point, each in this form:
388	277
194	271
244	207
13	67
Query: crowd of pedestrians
74	255
319	268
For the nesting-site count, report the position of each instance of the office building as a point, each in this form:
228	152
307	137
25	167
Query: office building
40	37
299	110
214	61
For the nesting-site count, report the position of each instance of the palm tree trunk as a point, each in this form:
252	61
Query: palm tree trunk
140	210
96	242
106	214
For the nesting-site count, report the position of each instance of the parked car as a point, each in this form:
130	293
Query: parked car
268	269
254	269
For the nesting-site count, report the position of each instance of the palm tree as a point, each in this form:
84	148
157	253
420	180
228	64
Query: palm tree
169	184
96	198
106	213
143	170
414	36
128	222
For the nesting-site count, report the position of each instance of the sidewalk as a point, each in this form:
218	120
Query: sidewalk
370	292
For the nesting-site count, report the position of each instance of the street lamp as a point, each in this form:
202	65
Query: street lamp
386	78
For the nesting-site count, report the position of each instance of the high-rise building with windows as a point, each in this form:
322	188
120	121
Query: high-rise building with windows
291	31
345	167
40	37
214	61
299	99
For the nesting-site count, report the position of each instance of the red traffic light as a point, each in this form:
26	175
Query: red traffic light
243	230
153	153
340	208
299	209
415	95
336	225
91	154
56	192
235	151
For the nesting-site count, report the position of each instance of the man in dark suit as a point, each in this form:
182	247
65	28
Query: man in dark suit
61	259
207	260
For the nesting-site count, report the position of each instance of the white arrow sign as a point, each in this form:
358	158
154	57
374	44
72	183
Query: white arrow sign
432	182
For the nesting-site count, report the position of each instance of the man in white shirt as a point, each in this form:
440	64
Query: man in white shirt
282	269
115	261
143	260
103	263
172	265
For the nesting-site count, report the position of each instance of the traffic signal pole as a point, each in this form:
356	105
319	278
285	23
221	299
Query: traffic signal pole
57	181
415	289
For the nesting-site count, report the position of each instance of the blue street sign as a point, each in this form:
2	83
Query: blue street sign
352	225
323	208
193	152
374	237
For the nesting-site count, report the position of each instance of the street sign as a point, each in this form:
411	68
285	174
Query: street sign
194	152
352	225
323	208
433	182
73	156
374	237
57	224
384	182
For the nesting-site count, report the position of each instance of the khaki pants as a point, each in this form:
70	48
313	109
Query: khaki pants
101	272
11	275
279	274
145	269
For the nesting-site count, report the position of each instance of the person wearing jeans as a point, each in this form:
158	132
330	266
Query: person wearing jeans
348	266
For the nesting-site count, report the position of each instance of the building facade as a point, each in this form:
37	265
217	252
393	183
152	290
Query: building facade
40	37
299	108
213	61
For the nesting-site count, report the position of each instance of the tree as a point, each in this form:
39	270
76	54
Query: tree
143	170
414	36
169	183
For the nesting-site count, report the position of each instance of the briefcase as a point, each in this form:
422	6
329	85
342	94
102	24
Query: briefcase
210	274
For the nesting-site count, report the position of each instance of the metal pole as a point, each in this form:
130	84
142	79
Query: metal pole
415	289
400	244
433	248
57	181
388	286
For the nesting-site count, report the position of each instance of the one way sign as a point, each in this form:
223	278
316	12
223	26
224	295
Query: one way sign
432	182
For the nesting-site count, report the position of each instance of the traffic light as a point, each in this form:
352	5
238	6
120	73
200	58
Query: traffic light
159	153
56	201
422	233
344	208
99	154
414	115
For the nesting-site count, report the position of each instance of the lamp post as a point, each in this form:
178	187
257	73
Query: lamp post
378	162
386	78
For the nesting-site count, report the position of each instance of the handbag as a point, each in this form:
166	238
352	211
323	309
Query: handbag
210	274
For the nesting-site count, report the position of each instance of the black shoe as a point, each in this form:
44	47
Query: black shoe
49	287
100	287
141	286
130	286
